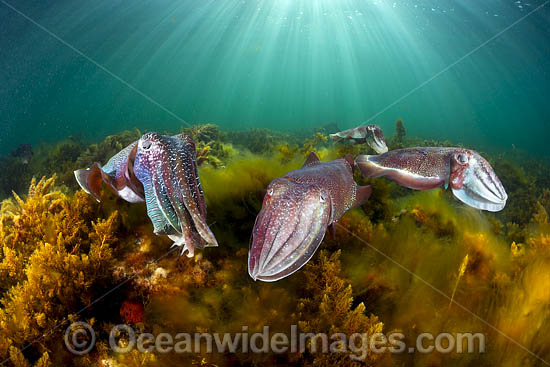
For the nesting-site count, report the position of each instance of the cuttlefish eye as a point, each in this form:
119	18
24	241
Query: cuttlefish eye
462	158
322	198
145	145
270	191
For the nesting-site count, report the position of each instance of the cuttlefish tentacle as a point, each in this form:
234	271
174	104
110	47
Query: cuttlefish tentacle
471	178
370	134
296	212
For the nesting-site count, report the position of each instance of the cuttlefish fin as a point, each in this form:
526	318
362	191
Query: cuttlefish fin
362	195
350	160
90	180
312	158
369	167
373	166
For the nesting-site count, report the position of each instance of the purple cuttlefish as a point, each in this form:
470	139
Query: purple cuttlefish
370	134
296	211
471	178
162	172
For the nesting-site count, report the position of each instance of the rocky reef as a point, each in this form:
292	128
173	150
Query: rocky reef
408	262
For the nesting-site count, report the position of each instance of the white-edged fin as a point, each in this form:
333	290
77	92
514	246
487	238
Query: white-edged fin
81	175
472	199
90	180
130	196
370	168
360	132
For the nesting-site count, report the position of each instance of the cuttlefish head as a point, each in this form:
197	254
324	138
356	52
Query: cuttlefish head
474	182
375	139
288	230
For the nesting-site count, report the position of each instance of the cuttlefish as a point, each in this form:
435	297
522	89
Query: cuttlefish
370	134
162	172
471	178
295	214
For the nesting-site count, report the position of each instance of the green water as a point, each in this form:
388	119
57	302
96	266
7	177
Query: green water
281	64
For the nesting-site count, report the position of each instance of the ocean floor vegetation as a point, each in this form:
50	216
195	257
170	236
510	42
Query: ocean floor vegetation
406	261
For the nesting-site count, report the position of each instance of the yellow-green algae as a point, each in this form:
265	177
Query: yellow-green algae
391	265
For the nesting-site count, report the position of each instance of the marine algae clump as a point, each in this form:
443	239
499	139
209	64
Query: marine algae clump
405	261
54	262
328	309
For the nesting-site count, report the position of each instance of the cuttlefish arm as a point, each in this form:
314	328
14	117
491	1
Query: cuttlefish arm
182	185
175	200
117	174
470	177
370	134
295	214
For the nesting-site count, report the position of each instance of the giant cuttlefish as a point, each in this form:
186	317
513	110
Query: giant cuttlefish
370	134
296	211
472	179
162	171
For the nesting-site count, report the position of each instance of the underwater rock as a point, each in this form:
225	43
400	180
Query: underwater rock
370	134
162	171
472	179
296	212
